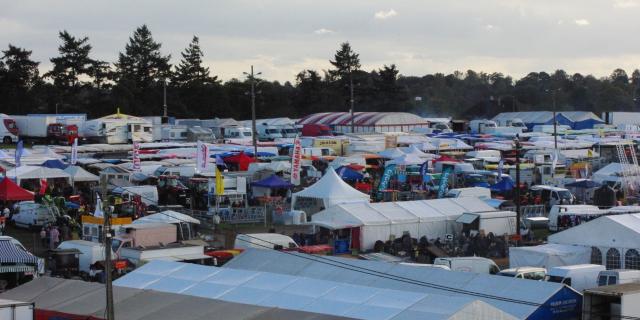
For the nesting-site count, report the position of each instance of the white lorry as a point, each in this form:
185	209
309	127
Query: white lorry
17	310
578	277
469	264
618	276
482	126
238	135
8	129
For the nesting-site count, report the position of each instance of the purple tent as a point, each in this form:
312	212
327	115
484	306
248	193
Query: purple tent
273	182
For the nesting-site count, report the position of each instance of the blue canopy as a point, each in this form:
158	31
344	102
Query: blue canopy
506	184
583	184
347	173
55	164
273	182
261	154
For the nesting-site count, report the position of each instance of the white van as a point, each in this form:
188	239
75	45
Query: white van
90	252
238	135
582	210
482	126
531	273
618	276
264	241
578	277
469	264
31	215
478	192
552	196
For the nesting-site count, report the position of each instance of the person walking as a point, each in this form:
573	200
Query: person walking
43	237
54	238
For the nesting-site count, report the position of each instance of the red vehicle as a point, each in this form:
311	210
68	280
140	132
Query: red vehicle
171	191
61	133
316	130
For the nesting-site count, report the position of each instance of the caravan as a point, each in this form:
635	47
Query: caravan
118	128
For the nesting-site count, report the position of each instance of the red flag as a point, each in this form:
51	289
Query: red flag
43	186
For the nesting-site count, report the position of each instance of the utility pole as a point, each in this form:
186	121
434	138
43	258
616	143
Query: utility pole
351	100
517	143
252	79
555	123
164	98
106	231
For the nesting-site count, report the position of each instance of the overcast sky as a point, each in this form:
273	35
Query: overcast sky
282	37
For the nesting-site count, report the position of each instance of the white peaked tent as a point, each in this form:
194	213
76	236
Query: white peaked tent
406	160
33	172
548	256
414	151
332	190
80	175
391	153
167	216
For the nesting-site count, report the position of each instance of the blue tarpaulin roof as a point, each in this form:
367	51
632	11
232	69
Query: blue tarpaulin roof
506	184
55	164
347	173
273	182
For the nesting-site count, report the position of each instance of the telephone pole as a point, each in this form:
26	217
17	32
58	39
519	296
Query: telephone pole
164	97
254	133
106	231
351	100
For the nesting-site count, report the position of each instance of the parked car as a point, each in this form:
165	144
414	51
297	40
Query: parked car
531	273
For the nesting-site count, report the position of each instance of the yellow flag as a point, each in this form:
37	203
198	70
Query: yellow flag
590	153
219	183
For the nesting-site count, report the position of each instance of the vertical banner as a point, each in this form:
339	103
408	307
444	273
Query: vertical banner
74	152
136	157
444	182
219	183
500	168
296	162
98	211
424	169
386	177
202	157
18	154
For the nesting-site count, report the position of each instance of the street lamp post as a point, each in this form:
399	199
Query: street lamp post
555	123
252	80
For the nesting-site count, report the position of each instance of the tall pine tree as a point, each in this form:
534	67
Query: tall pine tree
73	62
345	62
140	72
18	76
190	71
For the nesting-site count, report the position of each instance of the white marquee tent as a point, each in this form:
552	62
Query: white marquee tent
548	256
80	175
34	172
331	190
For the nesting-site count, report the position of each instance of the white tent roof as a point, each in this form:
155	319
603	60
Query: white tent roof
33	172
345	161
304	294
539	293
391	153
333	190
414	151
406	160
618	231
80	175
167	216
548	256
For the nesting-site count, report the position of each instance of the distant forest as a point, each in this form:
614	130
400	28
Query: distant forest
78	83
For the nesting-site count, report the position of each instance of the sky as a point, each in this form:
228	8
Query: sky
282	37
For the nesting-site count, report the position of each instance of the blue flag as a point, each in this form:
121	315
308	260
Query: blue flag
444	182
219	161
19	151
386	177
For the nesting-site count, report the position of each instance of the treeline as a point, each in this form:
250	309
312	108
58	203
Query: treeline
78	83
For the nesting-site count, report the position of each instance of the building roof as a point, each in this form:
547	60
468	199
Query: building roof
305	294
616	231
82	298
363	118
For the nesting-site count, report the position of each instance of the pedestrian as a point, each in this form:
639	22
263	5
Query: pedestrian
43	237
54	238
6	212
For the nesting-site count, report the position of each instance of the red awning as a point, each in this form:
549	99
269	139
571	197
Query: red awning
9	191
241	159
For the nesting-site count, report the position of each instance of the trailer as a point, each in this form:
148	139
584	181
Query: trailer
169	252
54	129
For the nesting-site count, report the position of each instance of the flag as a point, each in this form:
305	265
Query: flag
74	152
202	157
500	168
19	151
554	162
219	183
98	212
590	153
444	182
136	157
43	186
219	161
296	162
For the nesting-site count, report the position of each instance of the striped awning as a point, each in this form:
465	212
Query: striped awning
11	254
21	268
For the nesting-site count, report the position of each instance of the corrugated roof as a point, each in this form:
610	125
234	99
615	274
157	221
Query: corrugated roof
363	118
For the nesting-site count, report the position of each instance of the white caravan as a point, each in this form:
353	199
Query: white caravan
118	128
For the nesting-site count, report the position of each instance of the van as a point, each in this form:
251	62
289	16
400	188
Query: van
618	276
578	277
552	196
478	192
264	241
315	152
90	252
316	130
238	135
469	264
559	211
530	273
482	126
33	215
268	133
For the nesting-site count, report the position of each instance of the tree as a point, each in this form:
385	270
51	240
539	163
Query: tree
18	76
74	61
346	61
190	71
139	71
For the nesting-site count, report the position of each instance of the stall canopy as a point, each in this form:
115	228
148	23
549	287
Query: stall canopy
548	256
391	153
332	190
55	164
168	216
504	185
78	174
12	254
547	300
272	182
9	191
406	160
291	292
349	174
241	159
32	172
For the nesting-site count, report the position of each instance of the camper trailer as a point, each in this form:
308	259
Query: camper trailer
117	129
482	126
